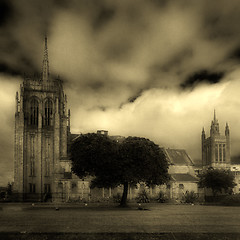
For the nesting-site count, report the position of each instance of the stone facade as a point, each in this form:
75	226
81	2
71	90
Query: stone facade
181	170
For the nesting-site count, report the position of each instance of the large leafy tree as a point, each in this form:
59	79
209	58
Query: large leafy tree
95	155
111	163
141	161
217	180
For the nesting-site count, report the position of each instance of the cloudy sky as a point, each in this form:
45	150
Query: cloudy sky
148	68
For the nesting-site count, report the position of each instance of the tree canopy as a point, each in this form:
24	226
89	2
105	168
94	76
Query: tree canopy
217	180
113	163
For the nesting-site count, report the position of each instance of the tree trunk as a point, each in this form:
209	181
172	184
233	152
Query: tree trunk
123	202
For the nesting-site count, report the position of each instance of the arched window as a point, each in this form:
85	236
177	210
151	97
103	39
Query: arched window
34	112
48	113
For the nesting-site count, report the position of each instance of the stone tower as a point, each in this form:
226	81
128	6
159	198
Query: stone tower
216	148
42	124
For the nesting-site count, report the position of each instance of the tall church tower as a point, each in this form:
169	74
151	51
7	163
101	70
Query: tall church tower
41	130
216	148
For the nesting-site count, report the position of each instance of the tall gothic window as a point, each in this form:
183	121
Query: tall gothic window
224	153
216	152
48	113
34	112
220	152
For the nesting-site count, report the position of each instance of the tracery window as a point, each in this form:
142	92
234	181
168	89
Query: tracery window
220	152
34	112
48	113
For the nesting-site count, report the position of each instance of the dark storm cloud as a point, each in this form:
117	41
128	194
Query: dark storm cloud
119	28
133	98
18	33
96	85
13	61
6	11
136	96
174	63
98	12
203	76
222	20
119	50
4	68
160	3
104	15
235	54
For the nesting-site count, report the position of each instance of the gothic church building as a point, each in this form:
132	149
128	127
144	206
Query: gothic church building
42	129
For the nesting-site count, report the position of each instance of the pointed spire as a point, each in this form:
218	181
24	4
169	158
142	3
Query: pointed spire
214	125
45	66
227	130
203	134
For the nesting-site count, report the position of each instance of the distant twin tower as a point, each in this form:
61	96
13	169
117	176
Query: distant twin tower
216	148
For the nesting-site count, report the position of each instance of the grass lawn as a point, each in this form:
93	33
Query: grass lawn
77	221
119	236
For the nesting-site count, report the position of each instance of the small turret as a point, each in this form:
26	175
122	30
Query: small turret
203	134
227	130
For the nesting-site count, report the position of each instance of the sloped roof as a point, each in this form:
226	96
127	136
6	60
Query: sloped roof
73	136
178	157
197	163
235	160
183	177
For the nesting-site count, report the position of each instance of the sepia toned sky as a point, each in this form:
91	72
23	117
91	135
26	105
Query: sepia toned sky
147	68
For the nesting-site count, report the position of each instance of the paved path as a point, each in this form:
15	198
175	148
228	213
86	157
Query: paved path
85	219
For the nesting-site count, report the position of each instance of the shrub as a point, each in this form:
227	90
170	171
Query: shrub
161	198
190	197
117	198
142	197
231	200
